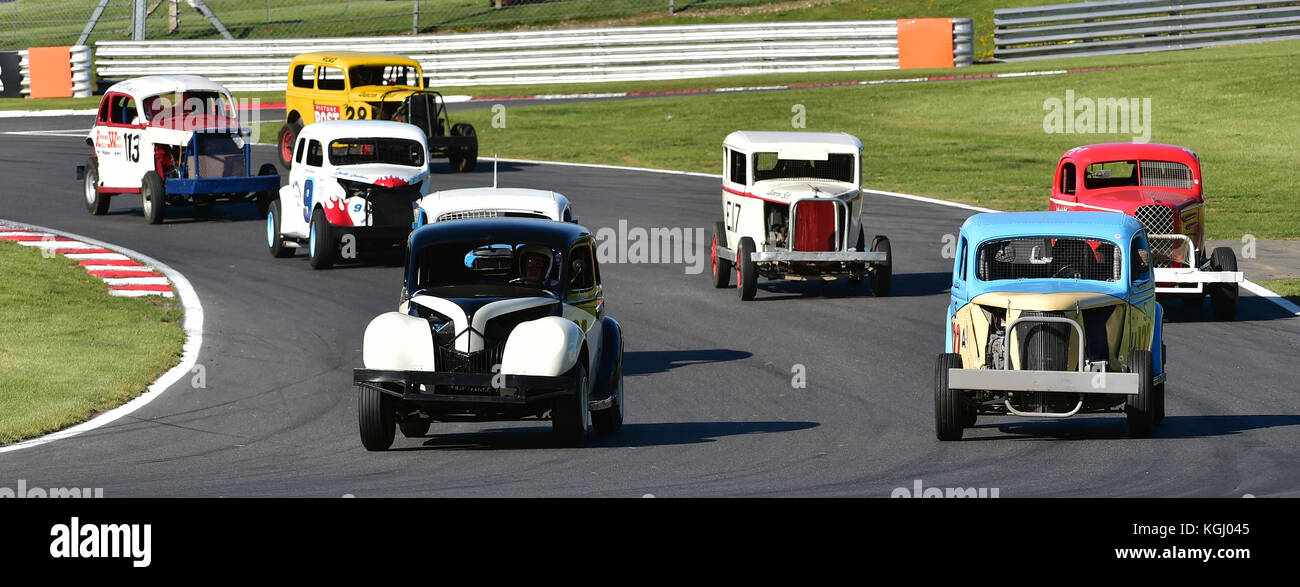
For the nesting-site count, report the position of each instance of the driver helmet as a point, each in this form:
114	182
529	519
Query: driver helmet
534	263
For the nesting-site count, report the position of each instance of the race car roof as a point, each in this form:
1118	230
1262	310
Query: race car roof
327	130
827	142
351	58
152	85
1108	226
1133	151
557	235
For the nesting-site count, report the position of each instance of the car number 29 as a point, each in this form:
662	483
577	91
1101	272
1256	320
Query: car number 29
731	213
132	150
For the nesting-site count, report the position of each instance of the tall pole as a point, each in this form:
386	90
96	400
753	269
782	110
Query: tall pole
138	35
415	17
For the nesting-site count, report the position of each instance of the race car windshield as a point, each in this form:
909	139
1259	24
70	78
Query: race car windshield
384	75
477	267
190	104
390	151
1048	257
836	167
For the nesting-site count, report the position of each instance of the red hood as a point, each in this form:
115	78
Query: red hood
1129	199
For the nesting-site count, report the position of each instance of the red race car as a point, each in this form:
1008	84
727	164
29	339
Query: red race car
1160	185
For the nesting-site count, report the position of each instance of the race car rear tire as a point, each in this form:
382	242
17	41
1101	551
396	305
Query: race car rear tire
1141	409
721	267
569	413
153	195
467	159
264	199
882	275
746	269
376	419
1223	296
414	429
274	240
96	202
321	244
285	140
949	405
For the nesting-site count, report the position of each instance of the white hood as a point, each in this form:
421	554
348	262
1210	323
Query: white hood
788	190
516	200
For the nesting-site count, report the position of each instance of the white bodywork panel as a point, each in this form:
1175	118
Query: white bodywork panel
487	202
398	342
546	346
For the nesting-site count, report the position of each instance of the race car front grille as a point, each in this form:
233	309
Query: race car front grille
1044	346
454	361
467	214
1158	220
815	225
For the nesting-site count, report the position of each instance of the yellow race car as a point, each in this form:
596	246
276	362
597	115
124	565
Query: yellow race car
350	85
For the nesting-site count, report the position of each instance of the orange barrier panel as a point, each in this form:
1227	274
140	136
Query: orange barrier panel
924	43
51	72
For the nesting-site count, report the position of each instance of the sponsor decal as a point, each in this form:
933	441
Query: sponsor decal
326	112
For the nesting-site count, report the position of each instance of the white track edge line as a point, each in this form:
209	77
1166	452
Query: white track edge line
191	323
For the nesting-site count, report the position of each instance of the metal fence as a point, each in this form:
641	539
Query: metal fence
33	23
546	56
1138	26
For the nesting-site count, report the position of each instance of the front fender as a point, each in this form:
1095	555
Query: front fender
611	358
547	346
398	342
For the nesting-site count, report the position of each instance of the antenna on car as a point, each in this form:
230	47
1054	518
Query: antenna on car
494	171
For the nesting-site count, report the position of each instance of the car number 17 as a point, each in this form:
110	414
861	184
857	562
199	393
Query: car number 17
731	215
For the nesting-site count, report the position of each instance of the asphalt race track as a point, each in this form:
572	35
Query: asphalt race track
711	407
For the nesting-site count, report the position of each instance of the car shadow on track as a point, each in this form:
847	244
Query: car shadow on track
1250	308
631	435
648	362
188	214
904	285
1103	428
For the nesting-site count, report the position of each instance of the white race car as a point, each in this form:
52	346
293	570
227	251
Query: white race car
354	183
494	202
171	139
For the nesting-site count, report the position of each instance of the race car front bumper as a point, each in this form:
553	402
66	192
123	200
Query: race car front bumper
222	185
809	256
466	388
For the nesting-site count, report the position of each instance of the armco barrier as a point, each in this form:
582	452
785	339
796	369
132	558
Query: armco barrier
548	56
1137	26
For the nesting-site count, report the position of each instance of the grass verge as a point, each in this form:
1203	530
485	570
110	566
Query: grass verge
973	141
68	349
1287	288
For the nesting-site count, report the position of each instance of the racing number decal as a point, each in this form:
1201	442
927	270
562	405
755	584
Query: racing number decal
306	199
359	113
132	150
732	215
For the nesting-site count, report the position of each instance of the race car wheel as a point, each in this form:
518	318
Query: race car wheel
949	405
1223	296
287	137
882	274
1141	408
569	413
264	199
273	240
96	203
467	159
154	197
376	418
746	269
321	244
414	429
721	267
609	420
